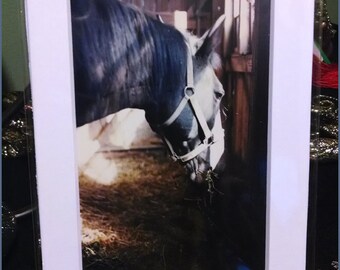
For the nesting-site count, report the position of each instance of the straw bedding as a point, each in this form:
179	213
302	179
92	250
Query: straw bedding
145	220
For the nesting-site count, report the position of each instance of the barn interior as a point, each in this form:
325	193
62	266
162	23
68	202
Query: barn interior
138	209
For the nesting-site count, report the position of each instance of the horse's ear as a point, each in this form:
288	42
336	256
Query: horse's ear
210	40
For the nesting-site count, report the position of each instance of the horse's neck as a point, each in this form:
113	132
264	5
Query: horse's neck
128	96
91	109
144	74
136	97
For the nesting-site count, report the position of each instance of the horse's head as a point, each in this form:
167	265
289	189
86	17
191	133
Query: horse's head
193	131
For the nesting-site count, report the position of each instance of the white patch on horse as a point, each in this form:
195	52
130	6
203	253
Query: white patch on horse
217	149
204	96
194	129
205	86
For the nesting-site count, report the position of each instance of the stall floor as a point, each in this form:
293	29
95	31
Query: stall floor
150	217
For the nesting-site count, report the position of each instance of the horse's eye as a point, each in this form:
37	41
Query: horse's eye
219	94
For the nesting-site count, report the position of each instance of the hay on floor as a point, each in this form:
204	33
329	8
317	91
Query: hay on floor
142	221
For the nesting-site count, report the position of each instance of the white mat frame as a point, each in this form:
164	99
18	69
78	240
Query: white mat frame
51	73
290	76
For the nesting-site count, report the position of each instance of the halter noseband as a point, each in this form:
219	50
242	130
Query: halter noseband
189	97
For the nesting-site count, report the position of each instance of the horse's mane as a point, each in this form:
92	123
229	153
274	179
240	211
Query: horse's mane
121	44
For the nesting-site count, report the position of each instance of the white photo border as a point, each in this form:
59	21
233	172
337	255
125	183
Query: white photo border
51	73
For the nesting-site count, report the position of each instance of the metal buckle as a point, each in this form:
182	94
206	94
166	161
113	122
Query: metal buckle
189	91
210	140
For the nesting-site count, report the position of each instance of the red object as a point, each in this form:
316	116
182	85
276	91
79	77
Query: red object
324	75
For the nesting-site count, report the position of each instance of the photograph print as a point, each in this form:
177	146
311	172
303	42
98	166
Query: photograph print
171	100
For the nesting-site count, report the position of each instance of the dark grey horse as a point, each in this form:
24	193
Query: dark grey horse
126	59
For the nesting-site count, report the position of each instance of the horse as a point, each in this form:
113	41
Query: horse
125	58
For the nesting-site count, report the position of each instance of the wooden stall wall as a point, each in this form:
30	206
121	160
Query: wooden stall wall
242	210
238	53
200	13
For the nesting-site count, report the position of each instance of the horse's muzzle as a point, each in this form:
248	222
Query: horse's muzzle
196	169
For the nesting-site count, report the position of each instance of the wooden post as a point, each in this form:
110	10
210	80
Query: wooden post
244	34
217	9
150	5
162	5
228	24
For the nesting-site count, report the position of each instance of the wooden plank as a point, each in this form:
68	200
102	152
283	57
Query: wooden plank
162	5
228	26
150	5
217	9
244	30
138	3
241	117
178	5
196	7
240	63
252	20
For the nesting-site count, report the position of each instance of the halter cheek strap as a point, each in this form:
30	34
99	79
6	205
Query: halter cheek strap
189	97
